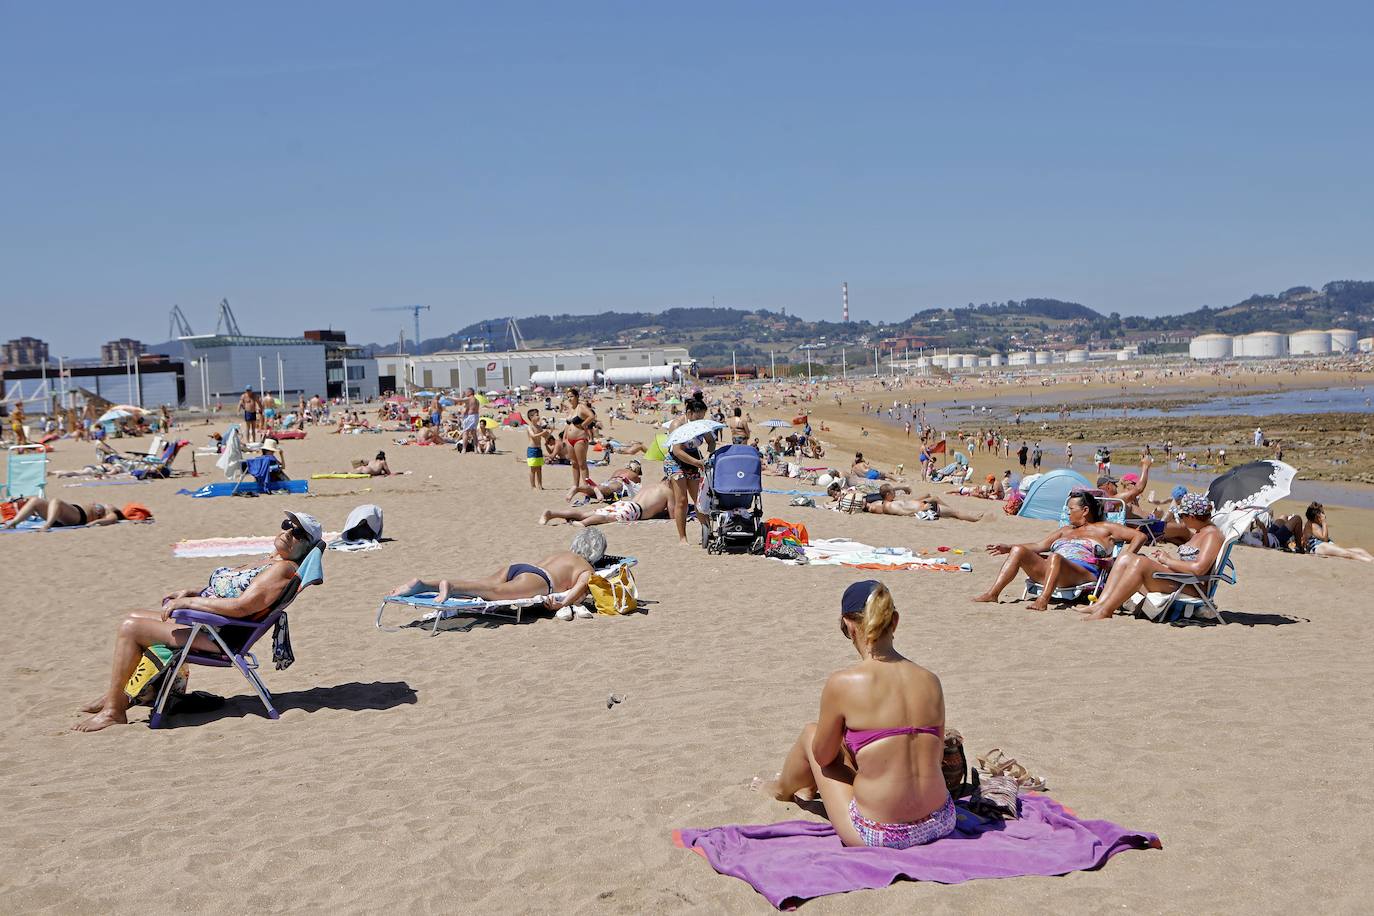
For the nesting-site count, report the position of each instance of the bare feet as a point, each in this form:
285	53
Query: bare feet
414	586
986	598
772	787
103	719
1039	605
544	517
442	595
578	523
94	705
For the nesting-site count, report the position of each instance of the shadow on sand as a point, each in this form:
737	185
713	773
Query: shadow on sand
353	696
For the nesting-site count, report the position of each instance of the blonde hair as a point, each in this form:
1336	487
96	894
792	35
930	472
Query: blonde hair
876	618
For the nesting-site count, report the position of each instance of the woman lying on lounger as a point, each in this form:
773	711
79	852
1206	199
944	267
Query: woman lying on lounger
874	753
561	578
245	592
1073	552
927	508
59	514
1133	572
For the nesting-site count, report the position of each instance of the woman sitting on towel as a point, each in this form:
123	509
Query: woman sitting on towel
59	514
562	579
1072	553
1133	572
246	593
874	753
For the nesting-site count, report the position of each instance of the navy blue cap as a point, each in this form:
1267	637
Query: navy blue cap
856	596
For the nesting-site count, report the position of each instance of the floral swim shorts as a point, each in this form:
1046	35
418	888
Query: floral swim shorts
934	826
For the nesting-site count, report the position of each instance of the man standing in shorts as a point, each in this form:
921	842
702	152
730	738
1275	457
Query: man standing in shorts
471	409
1021	456
250	405
1036	455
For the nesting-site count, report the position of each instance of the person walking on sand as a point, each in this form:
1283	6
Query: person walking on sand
1021	456
1036	455
1068	454
250	405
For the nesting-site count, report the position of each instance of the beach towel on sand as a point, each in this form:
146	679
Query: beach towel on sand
794	861
844	552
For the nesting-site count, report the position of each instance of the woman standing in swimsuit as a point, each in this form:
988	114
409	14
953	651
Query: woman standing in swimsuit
1073	552
580	417
59	514
874	753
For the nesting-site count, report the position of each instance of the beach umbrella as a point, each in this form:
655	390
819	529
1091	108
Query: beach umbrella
501	402
1245	490
136	411
447	402
693	429
114	414
775	424
674	401
650	399
483	399
655	451
425	394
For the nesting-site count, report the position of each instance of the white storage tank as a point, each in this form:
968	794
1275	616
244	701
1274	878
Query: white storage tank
1210	346
1043	357
579	378
1268	344
1022	358
969	360
1310	343
1077	356
1238	347
984	362
997	359
1365	344
1343	340
923	362
643	375
939	361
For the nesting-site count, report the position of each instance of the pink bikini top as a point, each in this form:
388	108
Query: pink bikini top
858	740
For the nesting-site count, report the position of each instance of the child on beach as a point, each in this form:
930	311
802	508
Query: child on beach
534	452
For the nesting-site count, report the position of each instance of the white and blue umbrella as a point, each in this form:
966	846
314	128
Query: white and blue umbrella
775	424
691	430
111	416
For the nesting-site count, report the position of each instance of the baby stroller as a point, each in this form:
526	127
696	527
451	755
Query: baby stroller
731	502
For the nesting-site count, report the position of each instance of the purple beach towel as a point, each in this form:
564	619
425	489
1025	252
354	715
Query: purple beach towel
791	862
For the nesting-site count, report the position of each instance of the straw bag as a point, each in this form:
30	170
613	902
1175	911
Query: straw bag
616	594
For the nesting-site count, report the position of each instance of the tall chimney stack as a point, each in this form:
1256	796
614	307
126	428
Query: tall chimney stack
845	288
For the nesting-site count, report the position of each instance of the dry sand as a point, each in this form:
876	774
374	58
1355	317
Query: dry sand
482	771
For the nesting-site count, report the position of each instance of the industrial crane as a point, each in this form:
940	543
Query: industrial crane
407	308
226	321
177	325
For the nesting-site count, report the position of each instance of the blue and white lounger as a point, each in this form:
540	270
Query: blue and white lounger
478	607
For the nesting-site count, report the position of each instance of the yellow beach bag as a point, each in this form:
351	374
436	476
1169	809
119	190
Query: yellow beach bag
616	594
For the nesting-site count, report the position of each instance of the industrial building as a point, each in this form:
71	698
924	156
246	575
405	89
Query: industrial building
150	381
220	366
524	368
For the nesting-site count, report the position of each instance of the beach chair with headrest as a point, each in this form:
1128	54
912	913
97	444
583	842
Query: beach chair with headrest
1113	510
1195	597
160	466
436	612
26	471
235	638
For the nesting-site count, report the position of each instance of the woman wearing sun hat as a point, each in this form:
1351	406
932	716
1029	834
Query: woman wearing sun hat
1135	573
244	592
874	753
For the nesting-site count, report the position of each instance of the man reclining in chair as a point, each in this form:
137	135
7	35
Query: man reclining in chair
247	592
561	579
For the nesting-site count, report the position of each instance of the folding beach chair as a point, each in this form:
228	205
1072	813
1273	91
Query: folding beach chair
159	466
478	607
235	638
1114	510
1201	604
26	472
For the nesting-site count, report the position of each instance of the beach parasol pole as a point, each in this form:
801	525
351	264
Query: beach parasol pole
138	381
281	387
345	368
261	384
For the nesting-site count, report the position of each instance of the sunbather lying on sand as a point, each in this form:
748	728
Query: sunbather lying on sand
561	577
894	796
623	484
653	501
927	508
377	467
246	593
59	514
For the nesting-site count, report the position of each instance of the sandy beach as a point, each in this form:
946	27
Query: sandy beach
482	771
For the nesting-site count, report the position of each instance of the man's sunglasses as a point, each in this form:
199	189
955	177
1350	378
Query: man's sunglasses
297	531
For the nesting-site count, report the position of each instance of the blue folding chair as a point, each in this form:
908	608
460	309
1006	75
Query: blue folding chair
235	638
26	472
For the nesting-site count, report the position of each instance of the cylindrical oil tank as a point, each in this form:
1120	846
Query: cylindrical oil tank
940	361
1043	357
1309	343
1077	356
1239	346
1210	346
997	359
1343	340
1022	358
642	375
1266	344
1365	344
923	362
566	378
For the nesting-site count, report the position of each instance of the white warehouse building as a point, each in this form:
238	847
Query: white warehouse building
219	367
486	371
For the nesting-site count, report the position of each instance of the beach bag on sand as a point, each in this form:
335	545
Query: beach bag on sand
143	685
778	532
851	500
954	763
616	594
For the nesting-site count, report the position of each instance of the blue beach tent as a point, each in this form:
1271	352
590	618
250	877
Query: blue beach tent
1047	493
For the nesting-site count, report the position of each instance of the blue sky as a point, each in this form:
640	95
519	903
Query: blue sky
312	161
